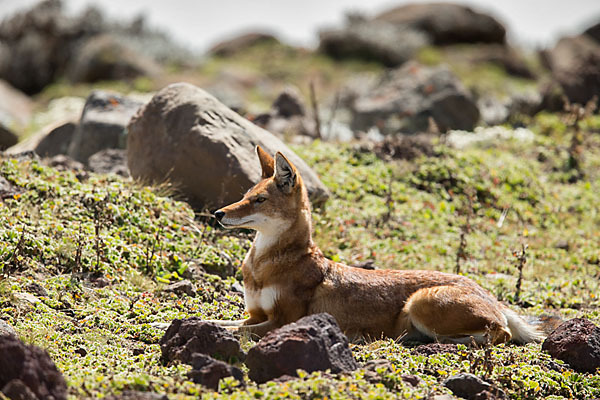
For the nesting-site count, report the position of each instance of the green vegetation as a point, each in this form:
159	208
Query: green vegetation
477	74
97	255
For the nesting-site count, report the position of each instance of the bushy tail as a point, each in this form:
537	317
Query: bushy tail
521	331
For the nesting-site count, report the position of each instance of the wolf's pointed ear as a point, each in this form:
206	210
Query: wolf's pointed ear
266	163
285	173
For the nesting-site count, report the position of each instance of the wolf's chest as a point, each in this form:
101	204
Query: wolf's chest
263	299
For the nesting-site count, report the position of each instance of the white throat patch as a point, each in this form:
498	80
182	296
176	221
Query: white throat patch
268	233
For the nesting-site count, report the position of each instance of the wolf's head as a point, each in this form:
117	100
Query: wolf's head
274	204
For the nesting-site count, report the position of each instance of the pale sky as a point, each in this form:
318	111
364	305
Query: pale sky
201	23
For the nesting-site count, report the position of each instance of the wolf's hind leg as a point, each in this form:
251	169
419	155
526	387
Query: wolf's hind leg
257	330
454	314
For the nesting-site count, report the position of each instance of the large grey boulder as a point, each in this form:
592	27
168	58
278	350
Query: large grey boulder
186	136
102	125
575	64
447	23
39	42
242	42
7	137
15	112
16	108
105	57
406	99
379	41
50	141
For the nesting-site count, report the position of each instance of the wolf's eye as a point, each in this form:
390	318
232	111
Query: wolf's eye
261	199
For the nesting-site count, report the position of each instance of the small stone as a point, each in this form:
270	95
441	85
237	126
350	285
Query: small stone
138	351
7	189
109	161
27	297
181	287
136	395
6	329
435	348
470	386
208	372
37	289
412	380
81	351
372	368
369	264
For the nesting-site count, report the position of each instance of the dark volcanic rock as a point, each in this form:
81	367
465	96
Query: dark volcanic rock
576	342
447	23
435	348
575	64
313	343
242	42
208	372
408	99
181	287
471	387
186	136
28	370
185	337
102	124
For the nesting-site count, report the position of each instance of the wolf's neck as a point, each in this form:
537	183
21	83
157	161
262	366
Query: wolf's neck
283	236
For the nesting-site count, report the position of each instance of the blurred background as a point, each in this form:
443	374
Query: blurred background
337	70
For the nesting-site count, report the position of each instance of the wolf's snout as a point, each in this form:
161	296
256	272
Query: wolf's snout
219	214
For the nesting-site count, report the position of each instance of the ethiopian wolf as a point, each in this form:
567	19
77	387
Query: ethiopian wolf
287	277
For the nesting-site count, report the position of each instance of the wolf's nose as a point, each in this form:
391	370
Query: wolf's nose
219	215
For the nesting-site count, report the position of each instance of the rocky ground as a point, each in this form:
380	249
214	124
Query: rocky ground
441	147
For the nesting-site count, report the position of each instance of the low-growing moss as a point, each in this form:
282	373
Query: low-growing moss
103	250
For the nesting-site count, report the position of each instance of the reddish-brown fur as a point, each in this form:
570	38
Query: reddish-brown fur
287	277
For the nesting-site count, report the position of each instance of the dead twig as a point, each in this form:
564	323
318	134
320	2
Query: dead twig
465	229
521	257
315	107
